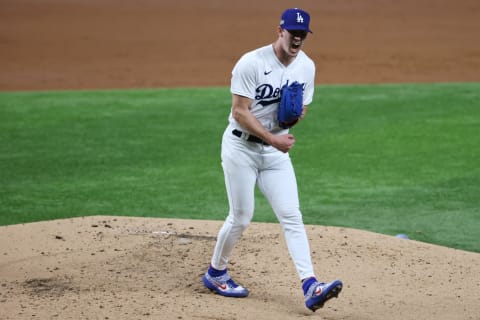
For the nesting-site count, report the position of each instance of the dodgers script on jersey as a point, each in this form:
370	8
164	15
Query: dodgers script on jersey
259	75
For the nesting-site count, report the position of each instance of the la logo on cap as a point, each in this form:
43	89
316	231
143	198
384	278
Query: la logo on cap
299	18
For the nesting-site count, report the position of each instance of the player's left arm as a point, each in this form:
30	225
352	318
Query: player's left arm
309	90
304	112
302	116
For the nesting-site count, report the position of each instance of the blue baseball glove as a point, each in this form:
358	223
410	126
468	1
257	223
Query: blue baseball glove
291	105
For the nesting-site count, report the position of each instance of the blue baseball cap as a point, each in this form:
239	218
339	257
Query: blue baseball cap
295	19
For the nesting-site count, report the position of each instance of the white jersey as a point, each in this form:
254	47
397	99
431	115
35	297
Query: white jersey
259	75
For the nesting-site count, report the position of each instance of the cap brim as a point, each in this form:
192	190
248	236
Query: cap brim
296	29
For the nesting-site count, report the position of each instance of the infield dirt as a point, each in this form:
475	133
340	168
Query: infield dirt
100	44
145	268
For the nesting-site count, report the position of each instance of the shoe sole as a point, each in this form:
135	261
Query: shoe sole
333	293
214	289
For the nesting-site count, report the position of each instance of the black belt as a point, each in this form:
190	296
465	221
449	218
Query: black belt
250	137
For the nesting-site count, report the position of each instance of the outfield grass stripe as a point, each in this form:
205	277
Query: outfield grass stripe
387	158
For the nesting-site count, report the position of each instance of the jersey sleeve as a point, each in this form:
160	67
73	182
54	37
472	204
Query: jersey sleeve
309	85
244	77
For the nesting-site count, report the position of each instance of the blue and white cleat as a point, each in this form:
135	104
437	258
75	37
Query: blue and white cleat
224	285
319	292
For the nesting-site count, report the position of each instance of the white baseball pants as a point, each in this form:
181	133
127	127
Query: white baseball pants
246	164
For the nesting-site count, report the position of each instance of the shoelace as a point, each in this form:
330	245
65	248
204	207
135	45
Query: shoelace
232	283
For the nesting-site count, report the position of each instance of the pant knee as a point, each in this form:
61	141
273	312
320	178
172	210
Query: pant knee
240	219
290	217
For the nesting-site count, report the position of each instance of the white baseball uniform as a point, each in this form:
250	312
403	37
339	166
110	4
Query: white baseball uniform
259	75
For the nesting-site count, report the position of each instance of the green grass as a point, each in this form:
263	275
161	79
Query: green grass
142	153
386	158
395	159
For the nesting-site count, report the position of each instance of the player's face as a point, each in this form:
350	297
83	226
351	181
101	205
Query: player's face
293	40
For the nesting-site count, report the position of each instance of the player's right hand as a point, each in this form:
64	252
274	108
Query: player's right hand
283	142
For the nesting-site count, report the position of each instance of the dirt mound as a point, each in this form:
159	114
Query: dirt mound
147	268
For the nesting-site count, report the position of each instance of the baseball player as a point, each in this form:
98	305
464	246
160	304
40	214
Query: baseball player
255	152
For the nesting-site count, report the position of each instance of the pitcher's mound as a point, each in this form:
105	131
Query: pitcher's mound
147	268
